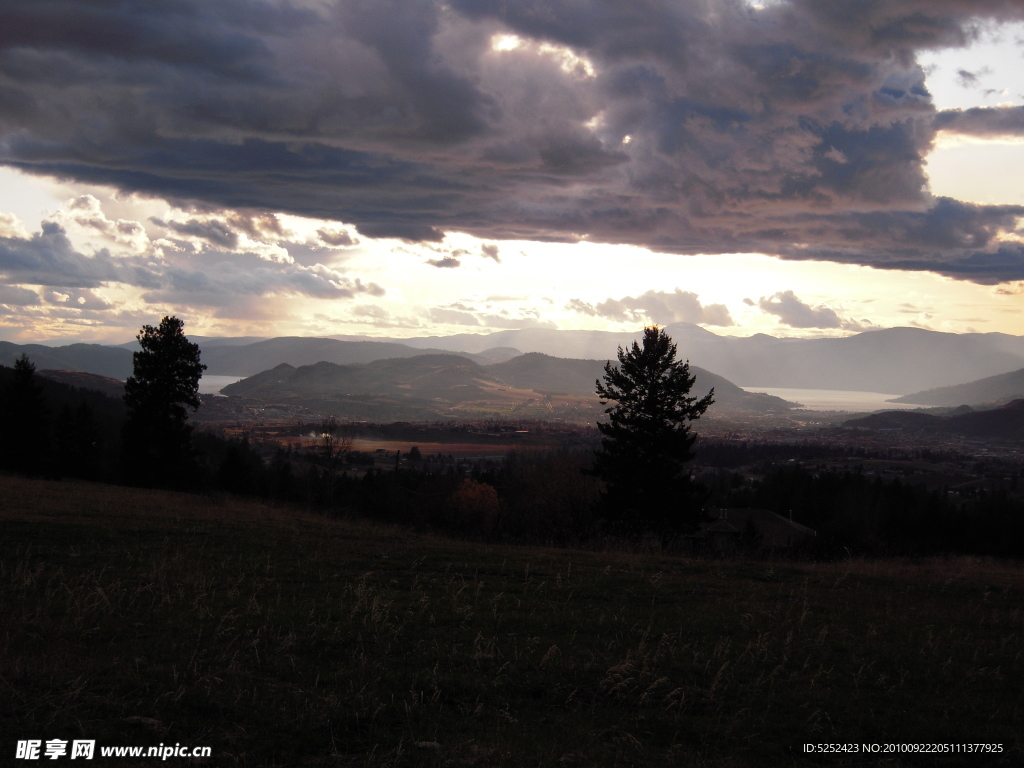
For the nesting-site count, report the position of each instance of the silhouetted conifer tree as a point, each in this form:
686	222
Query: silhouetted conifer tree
24	421
164	384
647	440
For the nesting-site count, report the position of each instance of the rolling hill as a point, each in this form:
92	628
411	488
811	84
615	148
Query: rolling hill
992	389
554	375
446	377
108	386
442	381
1003	423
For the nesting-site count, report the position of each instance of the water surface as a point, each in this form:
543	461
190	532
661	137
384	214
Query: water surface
835	399
211	385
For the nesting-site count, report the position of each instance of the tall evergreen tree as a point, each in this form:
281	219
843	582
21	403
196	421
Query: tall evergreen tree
647	440
164	384
24	421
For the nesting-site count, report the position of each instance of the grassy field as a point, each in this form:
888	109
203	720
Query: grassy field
279	638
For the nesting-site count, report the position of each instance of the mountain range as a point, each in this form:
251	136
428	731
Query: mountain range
894	360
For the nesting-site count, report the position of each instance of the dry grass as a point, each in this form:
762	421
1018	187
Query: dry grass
283	639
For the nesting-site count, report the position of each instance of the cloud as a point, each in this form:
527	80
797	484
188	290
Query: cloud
16	296
209	278
216	278
85	214
982	121
215	232
48	258
806	138
968	79
256	226
490	251
791	311
659	307
337	239
448	262
11	226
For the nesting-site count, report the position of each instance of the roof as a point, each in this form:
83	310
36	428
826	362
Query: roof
775	530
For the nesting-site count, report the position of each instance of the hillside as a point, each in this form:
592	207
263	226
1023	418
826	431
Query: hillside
279	638
112	388
88	443
448	377
114	362
434	382
1003	423
420	388
992	389
546	374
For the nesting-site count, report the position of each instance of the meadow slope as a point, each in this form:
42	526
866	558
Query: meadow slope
280	638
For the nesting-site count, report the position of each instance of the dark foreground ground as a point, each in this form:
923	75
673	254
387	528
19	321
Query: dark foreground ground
279	638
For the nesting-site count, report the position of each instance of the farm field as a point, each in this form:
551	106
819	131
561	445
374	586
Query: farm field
459	450
282	638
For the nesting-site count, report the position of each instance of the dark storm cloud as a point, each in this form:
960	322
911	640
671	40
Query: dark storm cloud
799	129
982	121
18	297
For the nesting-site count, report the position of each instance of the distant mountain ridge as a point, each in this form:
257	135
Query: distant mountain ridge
113	362
894	360
242	359
249	359
897	360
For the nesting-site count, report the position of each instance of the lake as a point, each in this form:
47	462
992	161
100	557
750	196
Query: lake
211	385
835	399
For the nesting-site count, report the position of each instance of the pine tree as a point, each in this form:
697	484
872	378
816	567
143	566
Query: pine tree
164	384
24	421
647	441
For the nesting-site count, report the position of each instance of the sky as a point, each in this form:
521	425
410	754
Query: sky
312	167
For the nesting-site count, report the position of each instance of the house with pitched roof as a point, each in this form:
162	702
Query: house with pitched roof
733	530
